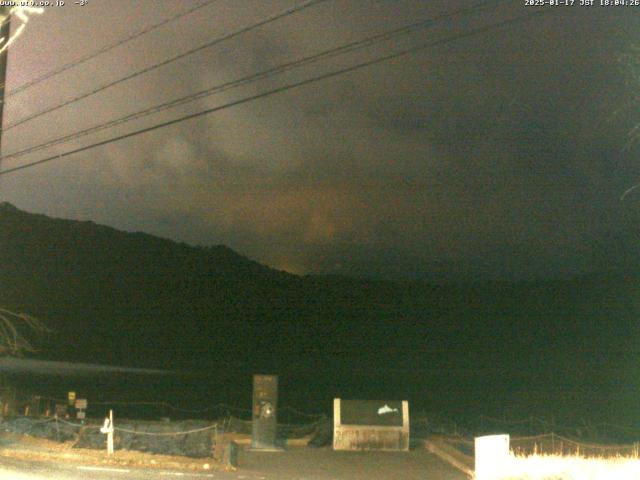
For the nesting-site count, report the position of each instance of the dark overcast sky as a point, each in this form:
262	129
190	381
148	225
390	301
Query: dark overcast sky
496	155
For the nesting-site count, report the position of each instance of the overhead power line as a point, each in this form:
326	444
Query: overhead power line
270	19
268	73
291	86
105	49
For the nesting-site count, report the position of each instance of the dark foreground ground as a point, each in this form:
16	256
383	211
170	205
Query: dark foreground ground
292	464
325	464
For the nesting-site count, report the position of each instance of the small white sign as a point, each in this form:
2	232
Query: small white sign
491	457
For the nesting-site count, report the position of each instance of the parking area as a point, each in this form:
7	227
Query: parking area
325	464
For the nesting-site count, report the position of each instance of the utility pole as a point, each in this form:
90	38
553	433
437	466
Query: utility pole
5	31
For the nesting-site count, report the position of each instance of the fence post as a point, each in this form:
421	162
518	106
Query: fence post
57	427
110	435
107	428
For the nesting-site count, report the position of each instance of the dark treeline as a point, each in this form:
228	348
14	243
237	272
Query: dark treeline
563	348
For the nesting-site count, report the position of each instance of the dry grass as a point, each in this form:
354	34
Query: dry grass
557	467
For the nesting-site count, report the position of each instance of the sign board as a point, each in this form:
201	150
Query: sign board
72	397
81	414
491	456
385	413
370	424
81	403
264	423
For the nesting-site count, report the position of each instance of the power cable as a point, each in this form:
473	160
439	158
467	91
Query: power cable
104	49
284	88
326	54
273	18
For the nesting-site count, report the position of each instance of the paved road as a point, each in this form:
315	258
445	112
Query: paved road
13	469
295	464
325	464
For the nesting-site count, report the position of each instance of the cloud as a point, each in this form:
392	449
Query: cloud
436	161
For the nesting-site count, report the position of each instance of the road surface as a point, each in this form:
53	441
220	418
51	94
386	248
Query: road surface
13	469
294	464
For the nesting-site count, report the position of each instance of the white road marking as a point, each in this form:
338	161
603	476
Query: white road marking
104	469
182	474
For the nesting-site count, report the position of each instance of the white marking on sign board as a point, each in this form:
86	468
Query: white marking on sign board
386	409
